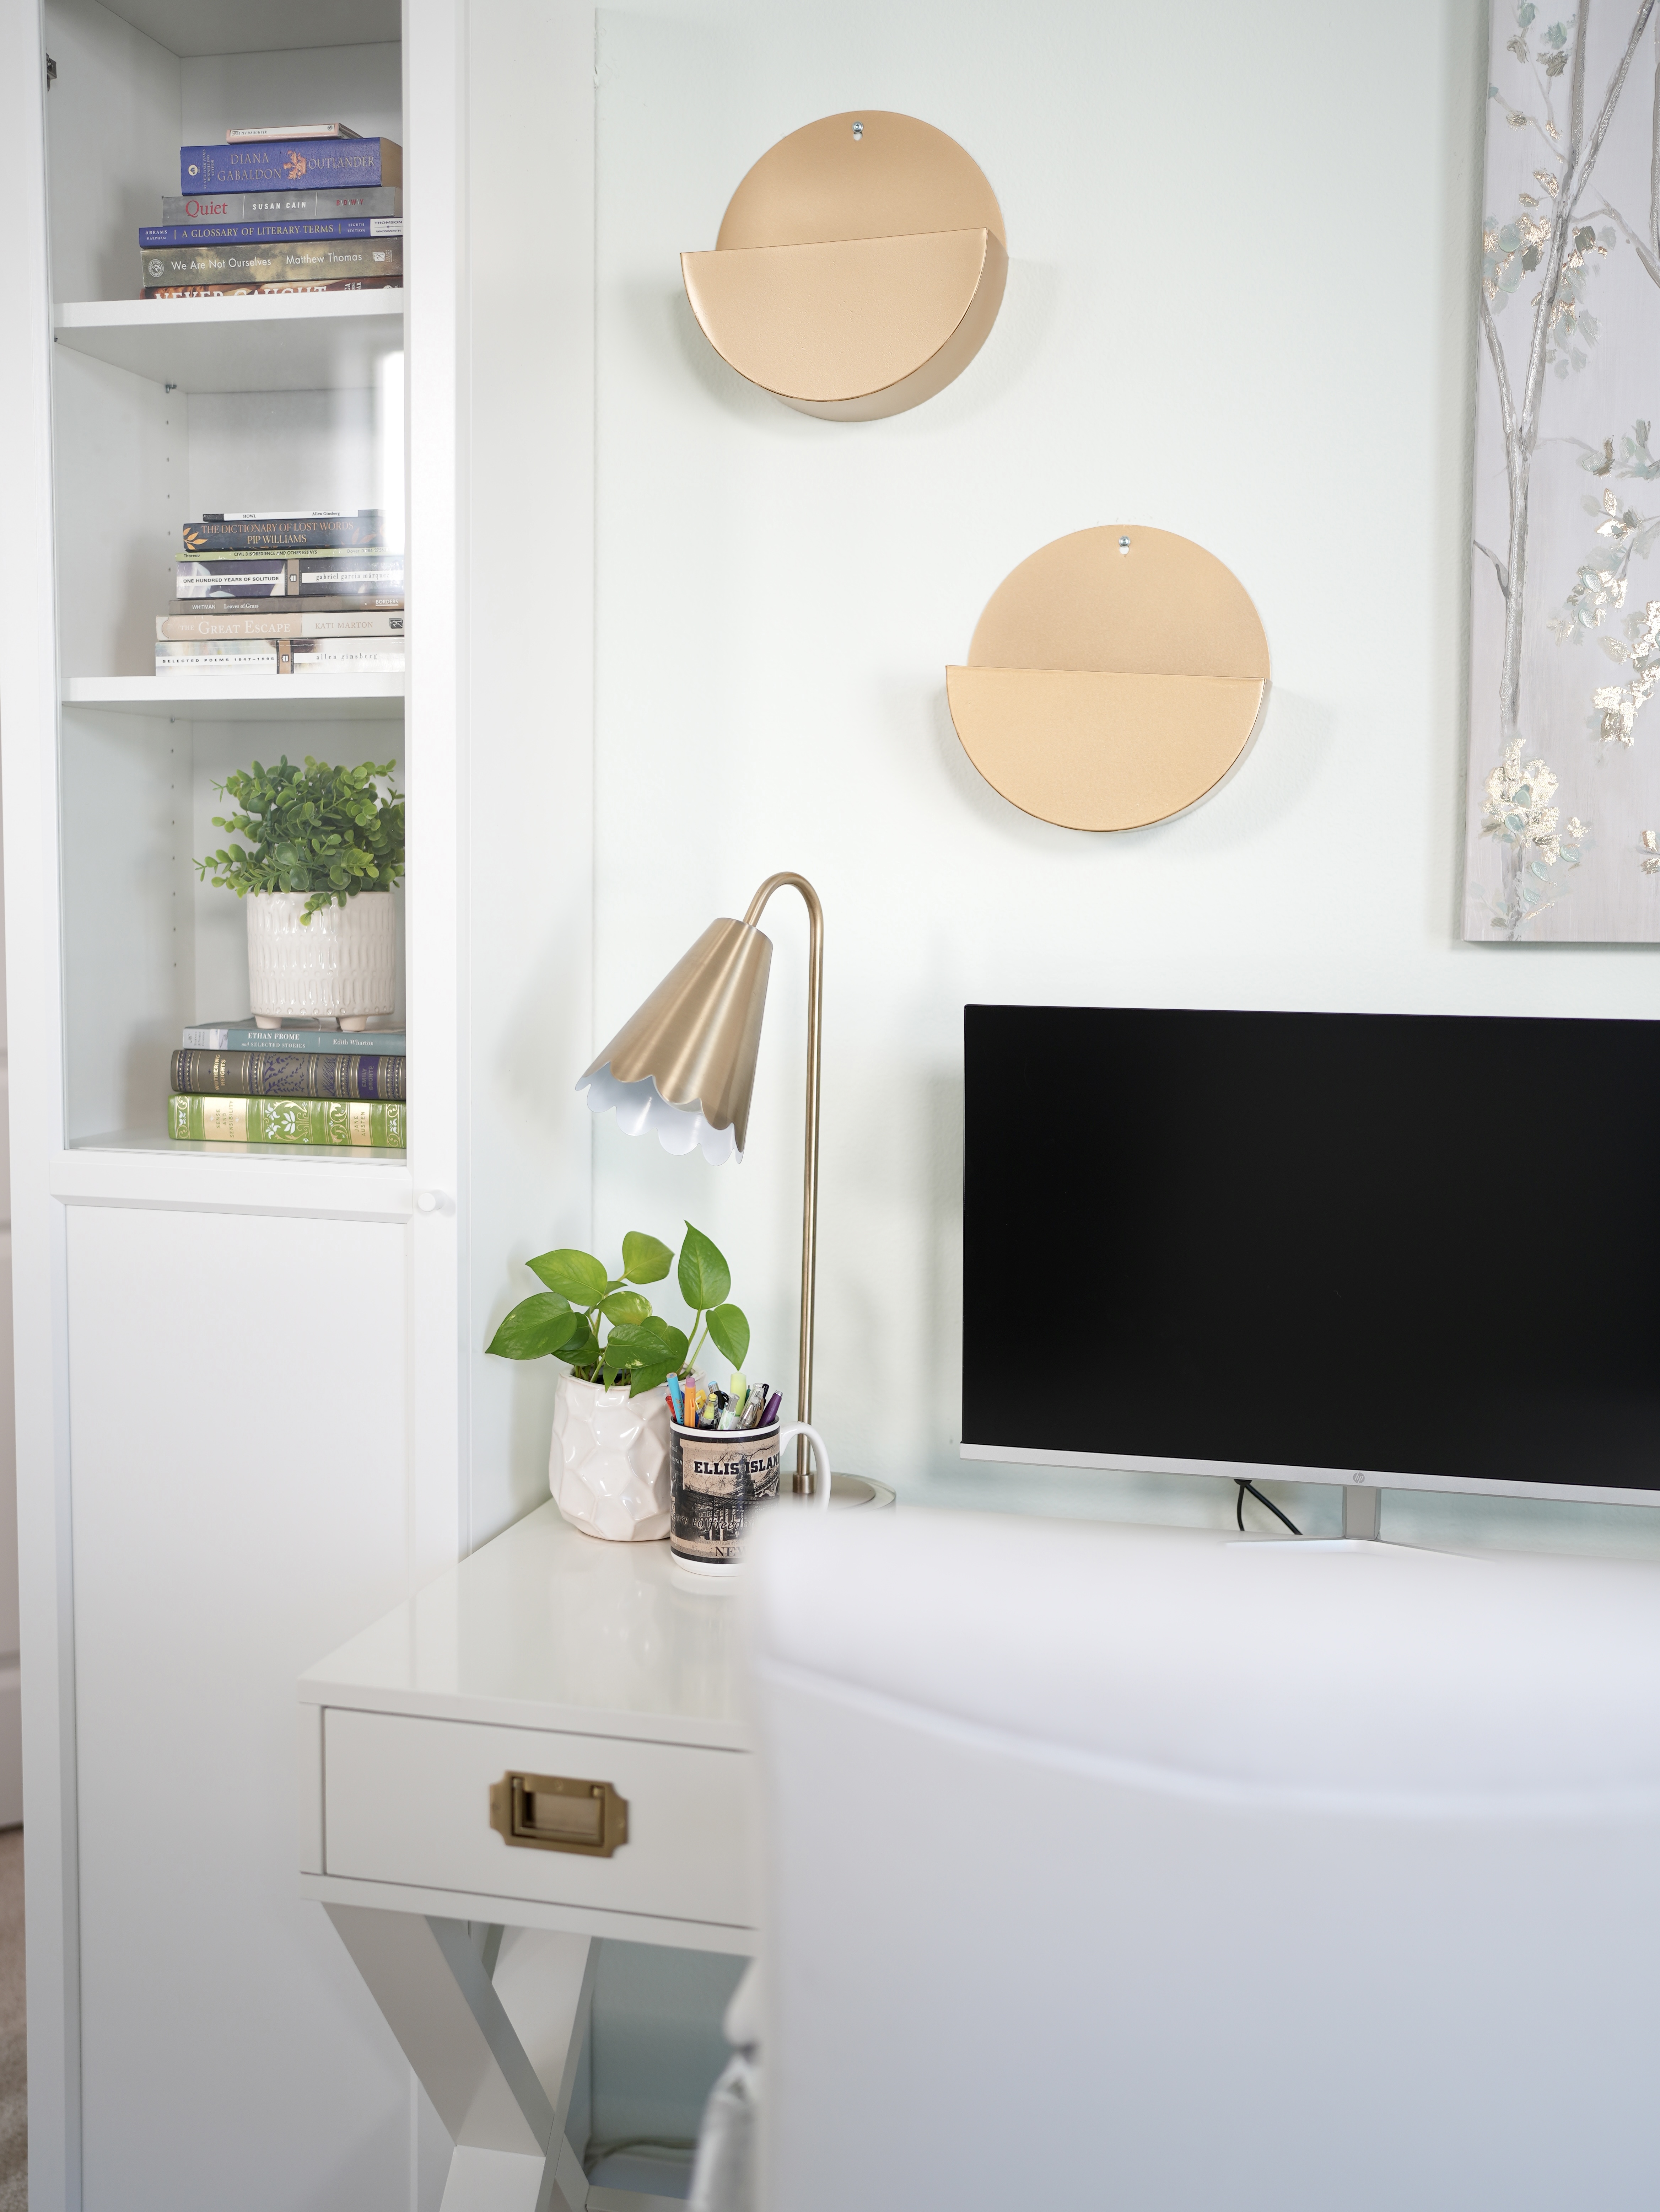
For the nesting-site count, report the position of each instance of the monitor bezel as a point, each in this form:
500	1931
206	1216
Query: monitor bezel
1256	1470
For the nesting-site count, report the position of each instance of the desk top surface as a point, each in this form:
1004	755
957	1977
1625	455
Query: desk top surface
548	1628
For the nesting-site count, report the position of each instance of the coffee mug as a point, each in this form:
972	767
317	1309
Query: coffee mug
717	1475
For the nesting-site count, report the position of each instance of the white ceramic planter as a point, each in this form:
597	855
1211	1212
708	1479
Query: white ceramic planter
342	962
609	1467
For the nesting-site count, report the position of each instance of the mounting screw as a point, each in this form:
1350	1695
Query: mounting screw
51	72
1124	545
858	130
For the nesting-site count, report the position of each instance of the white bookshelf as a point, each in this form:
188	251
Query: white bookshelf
315	341
303	698
181	1304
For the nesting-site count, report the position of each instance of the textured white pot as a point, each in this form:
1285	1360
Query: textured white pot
340	962
609	1467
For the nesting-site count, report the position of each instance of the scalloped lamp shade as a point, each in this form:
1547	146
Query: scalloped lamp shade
683	1066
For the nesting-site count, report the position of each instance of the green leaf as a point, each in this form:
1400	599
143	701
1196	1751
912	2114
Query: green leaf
705	1277
653	1343
583	1350
625	1306
648	1378
645	1260
729	1328
575	1275
538	1327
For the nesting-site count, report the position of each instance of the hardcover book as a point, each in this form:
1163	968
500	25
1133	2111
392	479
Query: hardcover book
312	535
286	1121
291	1074
248	291
288	261
279	207
243	1035
269	232
269	165
281	602
257	623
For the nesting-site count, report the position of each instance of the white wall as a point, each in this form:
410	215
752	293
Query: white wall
1240	307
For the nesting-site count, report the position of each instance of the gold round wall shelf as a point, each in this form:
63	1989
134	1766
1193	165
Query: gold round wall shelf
859	267
1113	679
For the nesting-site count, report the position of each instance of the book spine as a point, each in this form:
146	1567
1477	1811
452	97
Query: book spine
375	655
271	164
267	234
309	624
261	291
288	261
285	1120
280	207
291	1074
345	531
279	606
324	1041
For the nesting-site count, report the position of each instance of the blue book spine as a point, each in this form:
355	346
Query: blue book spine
273	164
262	234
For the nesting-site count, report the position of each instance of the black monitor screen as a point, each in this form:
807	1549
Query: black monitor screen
1404	1243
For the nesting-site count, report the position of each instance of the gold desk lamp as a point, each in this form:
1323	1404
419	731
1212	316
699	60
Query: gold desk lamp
683	1066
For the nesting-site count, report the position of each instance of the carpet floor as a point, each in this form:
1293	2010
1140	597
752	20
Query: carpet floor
14	2069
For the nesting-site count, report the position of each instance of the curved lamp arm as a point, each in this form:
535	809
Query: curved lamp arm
809	1211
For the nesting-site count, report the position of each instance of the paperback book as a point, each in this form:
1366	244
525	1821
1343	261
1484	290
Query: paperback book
290	1074
286	1121
280	207
367	656
343	575
272	232
267	165
261	625
246	132
290	261
244	1035
202	655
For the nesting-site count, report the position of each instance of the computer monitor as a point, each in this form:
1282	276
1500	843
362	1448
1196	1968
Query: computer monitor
1421	1249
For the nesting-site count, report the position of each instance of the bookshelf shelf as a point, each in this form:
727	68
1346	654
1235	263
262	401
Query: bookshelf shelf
315	341
254	699
143	1167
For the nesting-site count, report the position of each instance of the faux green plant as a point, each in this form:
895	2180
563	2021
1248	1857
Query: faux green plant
565	1321
330	832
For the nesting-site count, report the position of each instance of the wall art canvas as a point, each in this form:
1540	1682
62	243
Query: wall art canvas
1563	837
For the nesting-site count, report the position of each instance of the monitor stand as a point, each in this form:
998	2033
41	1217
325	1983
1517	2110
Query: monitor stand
1361	1504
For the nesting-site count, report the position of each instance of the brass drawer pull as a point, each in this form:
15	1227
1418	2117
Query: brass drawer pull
554	1812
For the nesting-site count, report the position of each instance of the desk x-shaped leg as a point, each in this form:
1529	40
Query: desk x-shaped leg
495	2042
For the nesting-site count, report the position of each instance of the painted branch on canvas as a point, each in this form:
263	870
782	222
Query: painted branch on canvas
1564	798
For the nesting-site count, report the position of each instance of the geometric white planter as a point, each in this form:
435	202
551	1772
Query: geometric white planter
341	962
607	1468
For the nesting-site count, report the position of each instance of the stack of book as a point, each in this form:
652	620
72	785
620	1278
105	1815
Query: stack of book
280	592
234	1083
305	207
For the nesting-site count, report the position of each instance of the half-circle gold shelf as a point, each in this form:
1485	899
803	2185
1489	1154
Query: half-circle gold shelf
859	267
1113	679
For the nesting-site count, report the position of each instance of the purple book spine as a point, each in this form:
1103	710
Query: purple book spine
320	164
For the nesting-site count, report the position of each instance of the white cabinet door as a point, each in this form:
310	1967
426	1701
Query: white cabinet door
237	1391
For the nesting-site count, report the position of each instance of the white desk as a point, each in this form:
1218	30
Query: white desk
546	1653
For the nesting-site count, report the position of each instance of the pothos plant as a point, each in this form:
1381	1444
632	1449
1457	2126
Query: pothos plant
330	832
639	1346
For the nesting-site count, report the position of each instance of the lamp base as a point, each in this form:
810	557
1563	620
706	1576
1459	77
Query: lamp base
857	1490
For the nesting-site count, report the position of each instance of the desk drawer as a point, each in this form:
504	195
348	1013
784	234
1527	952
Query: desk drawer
408	1800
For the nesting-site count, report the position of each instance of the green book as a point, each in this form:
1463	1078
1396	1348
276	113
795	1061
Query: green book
288	1120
